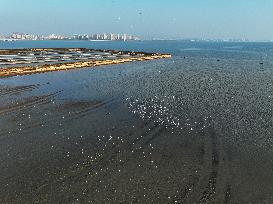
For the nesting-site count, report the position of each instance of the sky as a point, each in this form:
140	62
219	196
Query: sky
166	19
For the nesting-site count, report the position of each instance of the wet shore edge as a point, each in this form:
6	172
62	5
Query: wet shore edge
60	66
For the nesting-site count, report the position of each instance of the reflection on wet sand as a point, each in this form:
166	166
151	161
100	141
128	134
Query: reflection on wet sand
179	130
124	161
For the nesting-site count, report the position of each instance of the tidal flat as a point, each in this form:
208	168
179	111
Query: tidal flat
194	128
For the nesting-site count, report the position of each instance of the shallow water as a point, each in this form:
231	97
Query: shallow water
195	128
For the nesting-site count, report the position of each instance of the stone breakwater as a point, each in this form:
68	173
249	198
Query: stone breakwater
24	70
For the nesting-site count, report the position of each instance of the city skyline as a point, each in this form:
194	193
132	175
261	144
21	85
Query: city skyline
211	19
96	36
109	37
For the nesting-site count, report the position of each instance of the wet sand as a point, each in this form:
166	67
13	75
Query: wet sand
142	132
109	156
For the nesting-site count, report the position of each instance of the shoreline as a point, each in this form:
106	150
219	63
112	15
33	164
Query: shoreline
35	69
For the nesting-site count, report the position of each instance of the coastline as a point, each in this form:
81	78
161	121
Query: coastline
32	69
84	133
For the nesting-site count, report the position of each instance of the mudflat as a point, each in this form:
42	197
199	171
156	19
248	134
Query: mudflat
188	129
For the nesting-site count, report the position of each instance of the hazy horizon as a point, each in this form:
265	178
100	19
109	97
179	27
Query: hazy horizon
173	19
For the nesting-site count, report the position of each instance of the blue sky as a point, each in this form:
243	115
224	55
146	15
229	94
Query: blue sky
251	19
